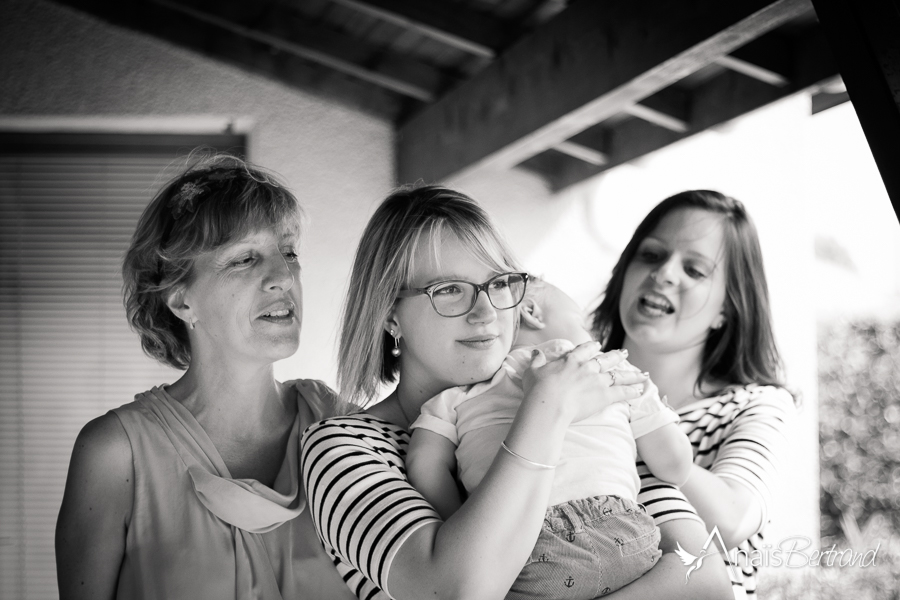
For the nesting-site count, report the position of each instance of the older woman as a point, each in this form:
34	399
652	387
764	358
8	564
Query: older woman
688	300
431	306
192	490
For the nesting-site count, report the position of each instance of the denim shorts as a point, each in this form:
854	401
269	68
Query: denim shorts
588	548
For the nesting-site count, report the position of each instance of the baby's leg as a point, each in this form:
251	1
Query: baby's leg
589	548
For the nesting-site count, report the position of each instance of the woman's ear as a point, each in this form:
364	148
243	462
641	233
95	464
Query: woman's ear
531	314
175	300
392	325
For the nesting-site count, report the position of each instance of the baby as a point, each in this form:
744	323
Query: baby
595	538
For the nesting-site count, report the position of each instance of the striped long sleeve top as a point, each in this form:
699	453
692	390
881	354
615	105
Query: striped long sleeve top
360	499
364	508
738	435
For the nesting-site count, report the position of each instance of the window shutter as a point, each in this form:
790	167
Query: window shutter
68	208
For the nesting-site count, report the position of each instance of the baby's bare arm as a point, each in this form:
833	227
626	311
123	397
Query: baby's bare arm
430	465
668	454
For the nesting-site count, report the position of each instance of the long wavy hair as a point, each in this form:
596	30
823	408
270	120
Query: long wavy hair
742	350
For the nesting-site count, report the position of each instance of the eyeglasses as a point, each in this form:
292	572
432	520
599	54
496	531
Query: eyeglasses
457	298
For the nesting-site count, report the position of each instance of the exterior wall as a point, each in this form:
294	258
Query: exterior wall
60	68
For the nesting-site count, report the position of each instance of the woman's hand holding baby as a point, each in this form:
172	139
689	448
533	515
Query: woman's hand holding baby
579	383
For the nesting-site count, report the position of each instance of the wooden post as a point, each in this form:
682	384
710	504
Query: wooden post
865	40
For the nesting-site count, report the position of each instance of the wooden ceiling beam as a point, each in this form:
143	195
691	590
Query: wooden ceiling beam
719	100
286	31
543	10
453	24
751	70
865	38
829	94
657	117
588	63
761	61
583	153
248	54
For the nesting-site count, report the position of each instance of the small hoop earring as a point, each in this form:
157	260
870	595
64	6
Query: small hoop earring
191	324
395	351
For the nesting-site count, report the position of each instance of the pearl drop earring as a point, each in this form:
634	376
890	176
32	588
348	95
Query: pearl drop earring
395	351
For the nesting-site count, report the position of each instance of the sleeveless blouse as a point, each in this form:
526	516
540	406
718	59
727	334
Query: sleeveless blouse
196	533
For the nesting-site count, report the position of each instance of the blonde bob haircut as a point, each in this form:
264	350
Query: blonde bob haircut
231	198
384	264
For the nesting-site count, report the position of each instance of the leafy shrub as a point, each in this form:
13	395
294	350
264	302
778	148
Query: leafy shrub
859	425
859	459
878	582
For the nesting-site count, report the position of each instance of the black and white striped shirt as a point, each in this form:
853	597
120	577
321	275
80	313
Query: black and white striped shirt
360	498
364	508
738	435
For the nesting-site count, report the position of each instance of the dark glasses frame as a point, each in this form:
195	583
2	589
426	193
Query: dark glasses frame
479	287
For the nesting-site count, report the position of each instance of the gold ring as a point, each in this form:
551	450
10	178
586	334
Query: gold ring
612	376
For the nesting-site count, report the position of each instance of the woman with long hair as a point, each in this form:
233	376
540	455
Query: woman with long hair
425	311
688	300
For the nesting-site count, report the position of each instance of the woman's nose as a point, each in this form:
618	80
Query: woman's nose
666	273
279	275
483	311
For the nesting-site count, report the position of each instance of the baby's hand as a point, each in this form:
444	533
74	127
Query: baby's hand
647	389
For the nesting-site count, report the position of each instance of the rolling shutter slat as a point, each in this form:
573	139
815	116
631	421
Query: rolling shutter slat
66	352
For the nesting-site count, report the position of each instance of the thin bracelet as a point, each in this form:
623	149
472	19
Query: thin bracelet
530	462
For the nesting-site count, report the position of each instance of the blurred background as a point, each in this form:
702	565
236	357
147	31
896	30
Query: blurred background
102	102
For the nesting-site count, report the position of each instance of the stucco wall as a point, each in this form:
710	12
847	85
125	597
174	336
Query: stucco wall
57	62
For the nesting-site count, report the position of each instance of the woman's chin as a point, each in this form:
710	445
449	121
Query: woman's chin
643	332
482	373
272	350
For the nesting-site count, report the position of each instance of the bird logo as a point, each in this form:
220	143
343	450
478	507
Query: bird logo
688	559
695	562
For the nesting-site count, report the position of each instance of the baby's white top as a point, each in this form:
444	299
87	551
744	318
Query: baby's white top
598	456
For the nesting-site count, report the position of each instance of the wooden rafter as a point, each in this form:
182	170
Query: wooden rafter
751	70
731	94
657	117
591	62
453	24
591	156
284	30
272	58
829	94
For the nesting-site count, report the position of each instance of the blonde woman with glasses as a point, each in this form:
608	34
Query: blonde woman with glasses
431	306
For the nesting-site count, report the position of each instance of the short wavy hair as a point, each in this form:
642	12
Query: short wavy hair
218	199
384	264
743	350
